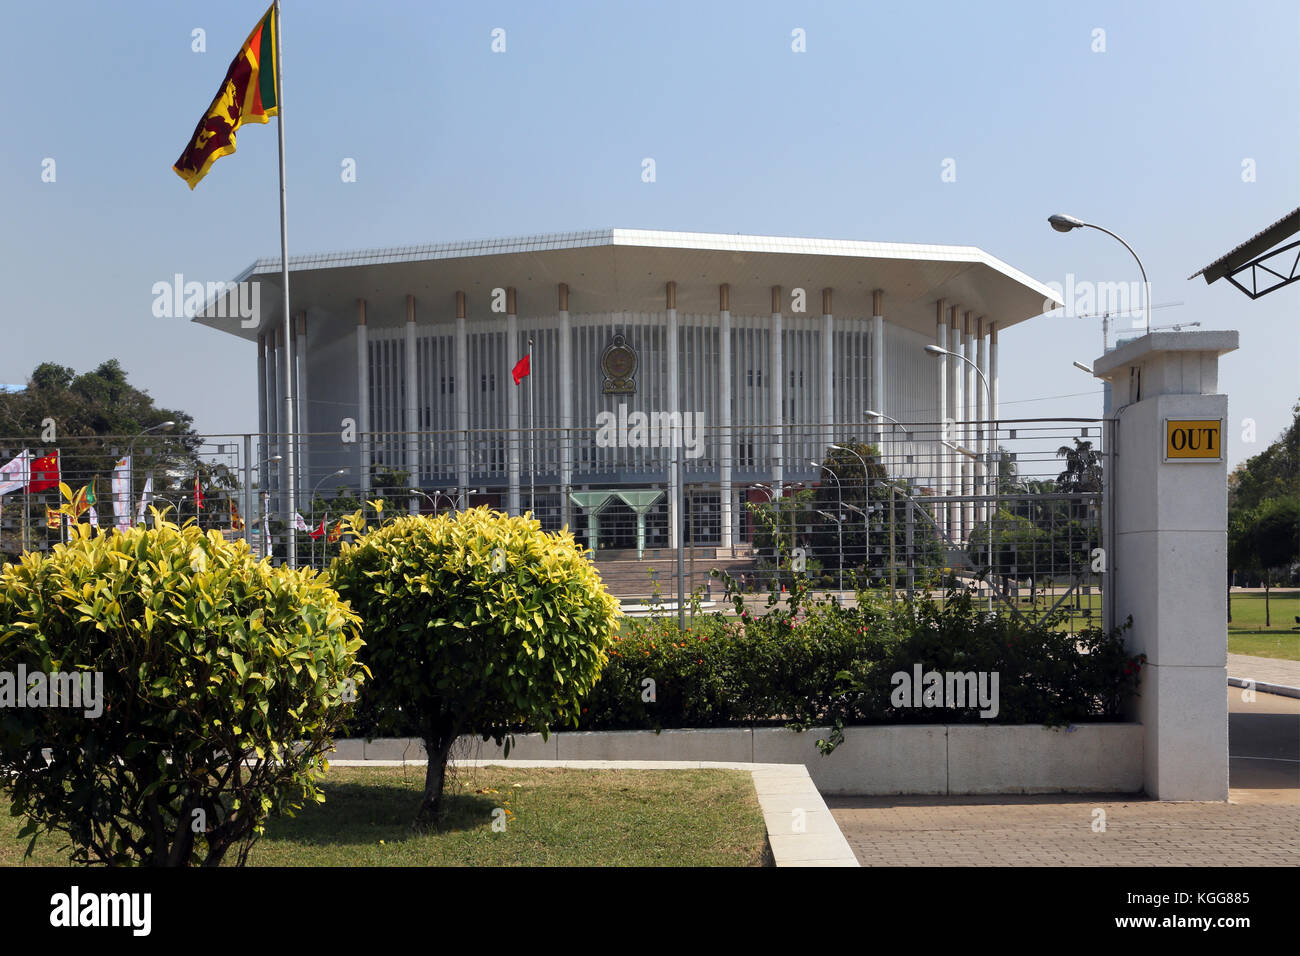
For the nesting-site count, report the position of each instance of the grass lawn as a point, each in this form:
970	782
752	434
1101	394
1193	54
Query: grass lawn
556	817
1247	633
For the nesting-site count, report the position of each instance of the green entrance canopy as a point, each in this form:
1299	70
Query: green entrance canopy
640	501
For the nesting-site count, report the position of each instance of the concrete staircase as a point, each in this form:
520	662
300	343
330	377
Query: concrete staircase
626	577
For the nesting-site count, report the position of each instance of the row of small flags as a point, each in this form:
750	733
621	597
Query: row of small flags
33	475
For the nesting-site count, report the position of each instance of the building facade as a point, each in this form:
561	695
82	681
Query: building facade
752	353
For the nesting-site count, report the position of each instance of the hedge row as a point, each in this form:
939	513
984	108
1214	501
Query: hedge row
832	663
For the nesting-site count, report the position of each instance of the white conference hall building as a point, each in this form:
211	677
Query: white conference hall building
777	347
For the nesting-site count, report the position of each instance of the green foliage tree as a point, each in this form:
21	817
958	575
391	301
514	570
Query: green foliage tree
1253	519
1266	539
224	681
475	623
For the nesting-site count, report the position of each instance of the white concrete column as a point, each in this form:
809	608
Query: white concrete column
984	444
304	408
1167	560
956	410
462	399
993	370
941	404
262	454
411	418
828	372
726	492
969	413
363	398
566	401
778	381
674	407
878	367
512	401
270	476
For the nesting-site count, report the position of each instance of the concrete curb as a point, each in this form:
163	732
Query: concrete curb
800	828
1282	690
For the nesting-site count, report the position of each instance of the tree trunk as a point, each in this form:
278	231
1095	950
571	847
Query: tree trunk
1268	619
438	746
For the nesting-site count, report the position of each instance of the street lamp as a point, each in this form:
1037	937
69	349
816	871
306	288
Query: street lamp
1062	223
332	474
994	458
130	462
839	493
873	414
432	501
839	527
264	497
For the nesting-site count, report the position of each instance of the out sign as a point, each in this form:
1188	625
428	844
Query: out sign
1193	439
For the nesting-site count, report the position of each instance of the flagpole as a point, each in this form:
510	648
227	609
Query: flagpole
532	435
291	456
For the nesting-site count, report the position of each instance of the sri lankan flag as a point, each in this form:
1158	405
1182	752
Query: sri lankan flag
247	95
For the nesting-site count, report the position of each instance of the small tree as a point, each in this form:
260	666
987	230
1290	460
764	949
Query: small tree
221	681
476	622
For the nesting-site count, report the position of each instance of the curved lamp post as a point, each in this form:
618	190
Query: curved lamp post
1063	223
130	468
332	474
839	490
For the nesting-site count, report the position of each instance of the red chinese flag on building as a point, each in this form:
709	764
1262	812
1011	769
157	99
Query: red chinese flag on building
44	473
521	370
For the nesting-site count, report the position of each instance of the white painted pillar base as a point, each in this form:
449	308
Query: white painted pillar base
1168	559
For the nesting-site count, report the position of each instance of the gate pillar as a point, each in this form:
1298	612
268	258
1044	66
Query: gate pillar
1167	560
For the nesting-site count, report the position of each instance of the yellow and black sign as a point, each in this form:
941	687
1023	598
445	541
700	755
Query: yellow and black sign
1193	439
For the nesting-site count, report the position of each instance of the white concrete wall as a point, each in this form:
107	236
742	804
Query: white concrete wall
918	759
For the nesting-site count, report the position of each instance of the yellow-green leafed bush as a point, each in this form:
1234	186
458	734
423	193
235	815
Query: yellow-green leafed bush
475	623
221	679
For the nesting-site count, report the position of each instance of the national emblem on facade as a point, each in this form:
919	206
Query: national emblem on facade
618	362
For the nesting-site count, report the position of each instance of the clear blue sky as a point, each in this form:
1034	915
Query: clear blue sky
847	140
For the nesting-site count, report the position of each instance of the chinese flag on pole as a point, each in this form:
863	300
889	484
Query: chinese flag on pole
198	494
319	532
45	473
521	370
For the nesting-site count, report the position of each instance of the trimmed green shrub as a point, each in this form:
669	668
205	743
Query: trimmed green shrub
824	664
223	683
478	623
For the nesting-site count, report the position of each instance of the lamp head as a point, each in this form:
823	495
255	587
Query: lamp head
935	350
1062	223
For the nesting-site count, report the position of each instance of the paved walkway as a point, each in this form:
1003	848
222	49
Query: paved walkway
1266	672
1259	826
1059	831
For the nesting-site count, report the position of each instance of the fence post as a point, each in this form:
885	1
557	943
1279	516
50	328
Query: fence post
1168	558
248	490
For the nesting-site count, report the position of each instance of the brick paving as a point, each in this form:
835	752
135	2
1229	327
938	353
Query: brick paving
1057	830
1258	826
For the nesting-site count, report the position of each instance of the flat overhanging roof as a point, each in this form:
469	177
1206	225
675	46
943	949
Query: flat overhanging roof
615	270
